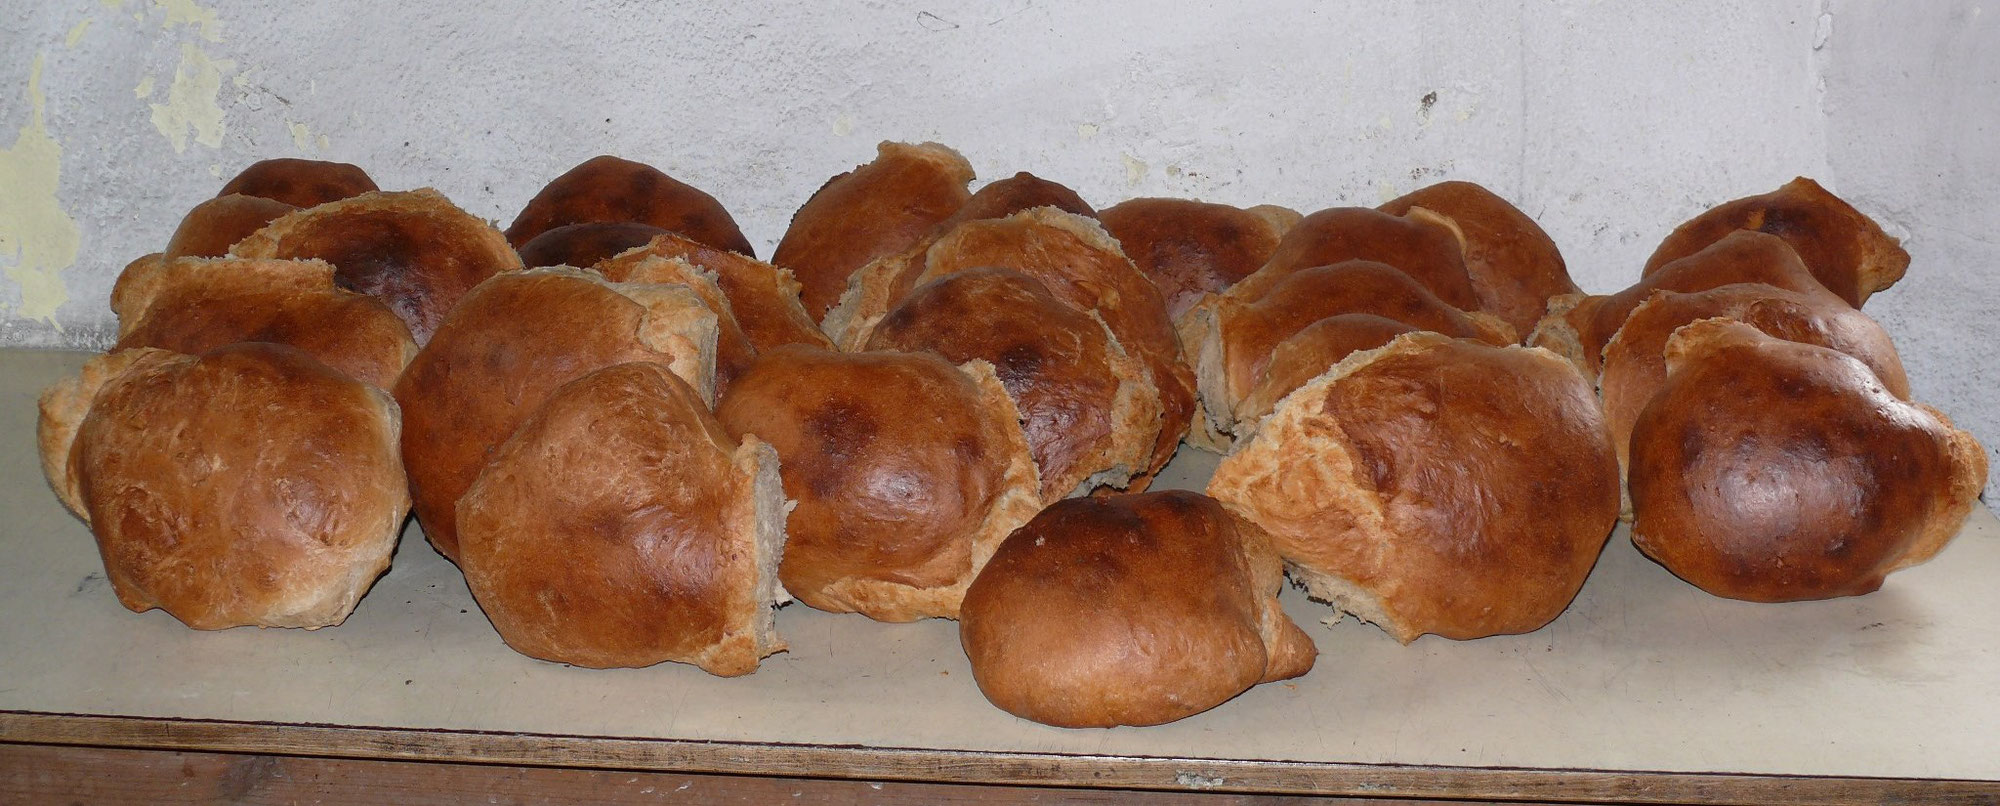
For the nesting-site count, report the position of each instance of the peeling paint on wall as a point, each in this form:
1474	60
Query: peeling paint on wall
76	33
36	235
191	102
193	15
145	88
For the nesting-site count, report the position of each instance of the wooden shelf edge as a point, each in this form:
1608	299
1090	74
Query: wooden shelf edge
980	767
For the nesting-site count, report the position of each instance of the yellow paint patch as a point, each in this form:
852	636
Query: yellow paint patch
76	33
145	88
191	102
323	143
192	14
1085	131
843	125
301	136
1135	170
36	235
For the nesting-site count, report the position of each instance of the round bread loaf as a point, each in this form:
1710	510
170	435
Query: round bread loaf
733	351
1090	413
668	553
1843	248
1774	471
249	486
1312	351
585	245
1434	485
300	183
213	226
1001	198
1424	245
1129	610
1190	248
1635	364
763	297
1578	327
1514	266
606	188
873	211
908	472
415	251
194	305
1233	339
512	341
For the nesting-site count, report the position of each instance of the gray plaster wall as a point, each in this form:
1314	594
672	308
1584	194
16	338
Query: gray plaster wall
1609	121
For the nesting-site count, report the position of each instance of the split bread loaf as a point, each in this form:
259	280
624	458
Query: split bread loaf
513	340
607	188
1844	248
1514	266
1774	471
214	225
1089	410
1190	248
668	552
194	305
585	245
1129	610
763	298
876	210
1413	486
907	470
300	183
415	251
1424	245
251	485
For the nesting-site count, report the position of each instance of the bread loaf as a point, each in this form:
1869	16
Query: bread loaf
1129	610
300	183
249	486
1190	248
667	550
873	211
585	245
1422	244
763	297
1845	249
1514	266
213	226
606	188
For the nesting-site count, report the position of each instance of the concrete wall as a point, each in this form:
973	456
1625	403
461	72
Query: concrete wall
1608	121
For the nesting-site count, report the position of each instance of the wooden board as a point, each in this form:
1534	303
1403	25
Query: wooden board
1646	690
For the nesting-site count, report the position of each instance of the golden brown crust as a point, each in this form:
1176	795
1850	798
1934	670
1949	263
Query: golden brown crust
1845	249
1421	244
300	183
137	284
1001	198
511	342
1805	479
62	408
249	486
1635	361
1190	248
733	352
1088	411
415	251
587	244
1742	256
213	226
1514	266
1129	610
877	209
763	297
655	559
1308	353
1412	486
907	472
1556	332
606	188
1082	266
196	305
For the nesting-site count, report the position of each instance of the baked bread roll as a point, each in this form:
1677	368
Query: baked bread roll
250	485
194	305
585	245
1089	411
606	188
763	297
1001	198
1233	338
1129	610
1635	364
1190	248
1773	471
415	251
1578	327
1304	356
1514	266
213	226
300	183
1083	267
1424	245
1435	485
873	211
908	472
669	552
512	341
733	351
1843	248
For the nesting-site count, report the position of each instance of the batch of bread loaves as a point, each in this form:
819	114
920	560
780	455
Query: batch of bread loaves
636	440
